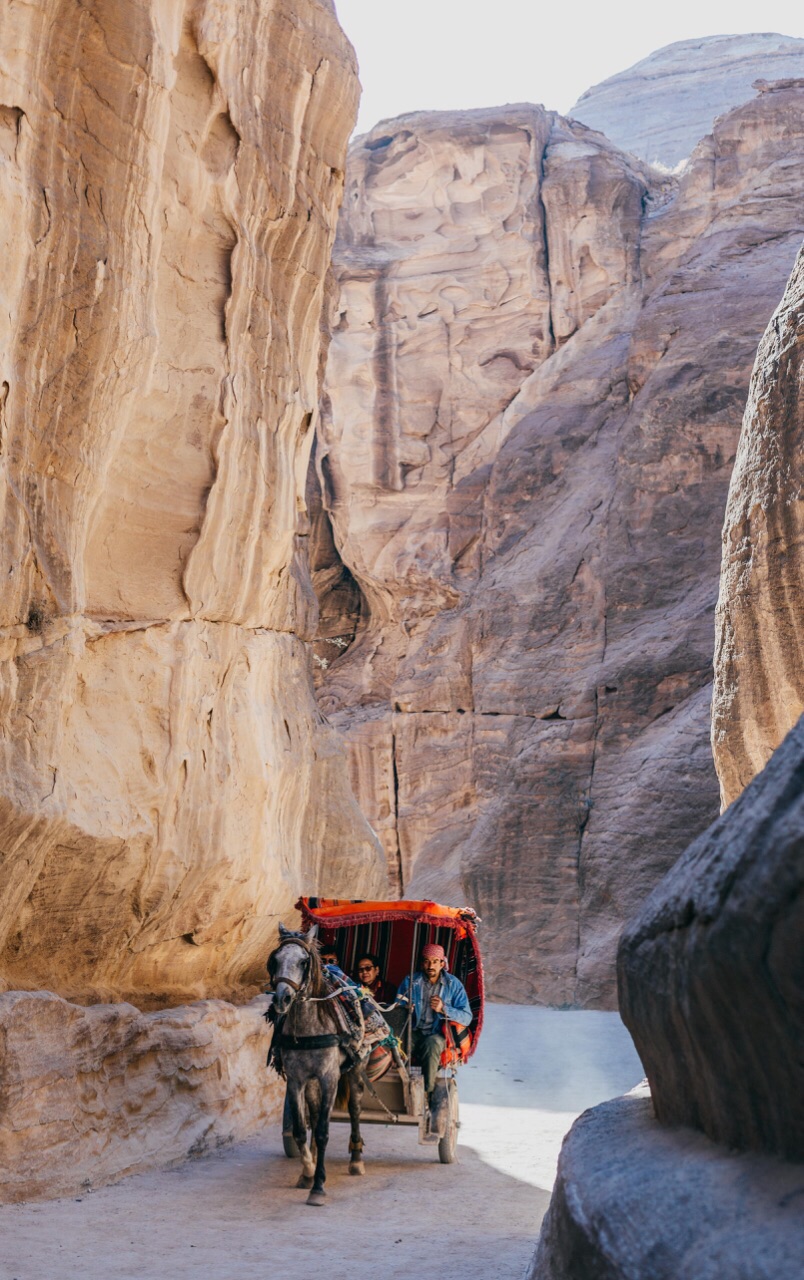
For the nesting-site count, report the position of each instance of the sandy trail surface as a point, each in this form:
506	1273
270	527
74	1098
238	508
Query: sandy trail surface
236	1215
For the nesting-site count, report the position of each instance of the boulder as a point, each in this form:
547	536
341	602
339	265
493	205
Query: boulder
634	1201
711	971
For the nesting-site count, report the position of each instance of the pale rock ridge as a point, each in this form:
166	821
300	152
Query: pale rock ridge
170	175
660	108
540	357
759	655
90	1095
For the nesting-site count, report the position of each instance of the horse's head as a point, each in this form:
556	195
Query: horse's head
294	967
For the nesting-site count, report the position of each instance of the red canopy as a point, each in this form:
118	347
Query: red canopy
396	932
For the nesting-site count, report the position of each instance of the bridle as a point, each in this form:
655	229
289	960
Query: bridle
300	987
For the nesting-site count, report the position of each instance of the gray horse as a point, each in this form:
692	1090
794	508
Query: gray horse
311	1040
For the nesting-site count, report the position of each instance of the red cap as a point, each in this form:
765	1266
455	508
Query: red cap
432	951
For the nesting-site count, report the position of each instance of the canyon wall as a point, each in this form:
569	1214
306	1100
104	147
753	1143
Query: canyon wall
540	357
170	176
759	658
706	1177
660	108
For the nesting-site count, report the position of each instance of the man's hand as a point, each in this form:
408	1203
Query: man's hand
436	1004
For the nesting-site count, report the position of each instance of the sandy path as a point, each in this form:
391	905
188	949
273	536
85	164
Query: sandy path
237	1216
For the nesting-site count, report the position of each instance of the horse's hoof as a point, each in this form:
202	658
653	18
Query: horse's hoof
317	1197
304	1183
357	1169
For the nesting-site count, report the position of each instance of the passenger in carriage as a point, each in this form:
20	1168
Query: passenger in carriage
435	995
369	975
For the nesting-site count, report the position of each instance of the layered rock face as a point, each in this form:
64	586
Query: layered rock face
759	658
90	1095
169	183
540	359
661	107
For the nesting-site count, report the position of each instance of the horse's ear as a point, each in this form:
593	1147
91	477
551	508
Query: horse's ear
283	932
311	934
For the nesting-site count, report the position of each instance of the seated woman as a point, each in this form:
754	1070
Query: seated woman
368	975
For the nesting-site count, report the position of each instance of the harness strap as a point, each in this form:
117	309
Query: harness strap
326	1041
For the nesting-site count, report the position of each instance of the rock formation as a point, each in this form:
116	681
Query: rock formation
711	972
637	1202
660	108
540	359
90	1095
711	979
759	659
170	175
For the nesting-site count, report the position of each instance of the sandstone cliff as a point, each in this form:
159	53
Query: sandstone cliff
170	175
759	667
540	359
662	106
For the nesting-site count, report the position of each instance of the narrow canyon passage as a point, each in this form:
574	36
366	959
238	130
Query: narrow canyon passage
237	1215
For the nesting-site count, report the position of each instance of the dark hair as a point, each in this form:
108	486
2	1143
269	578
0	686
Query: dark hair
375	960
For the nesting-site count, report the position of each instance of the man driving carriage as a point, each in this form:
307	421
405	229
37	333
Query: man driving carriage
435	996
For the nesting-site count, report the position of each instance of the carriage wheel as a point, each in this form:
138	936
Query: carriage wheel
447	1147
288	1140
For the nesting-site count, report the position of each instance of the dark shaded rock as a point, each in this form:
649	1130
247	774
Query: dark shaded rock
634	1201
711	972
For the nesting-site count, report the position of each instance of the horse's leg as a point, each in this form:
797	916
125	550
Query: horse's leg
356	1166
299	1117
329	1087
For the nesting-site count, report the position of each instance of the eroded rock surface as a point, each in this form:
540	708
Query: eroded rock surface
170	175
540	360
660	108
89	1095
711	971
635	1200
759	658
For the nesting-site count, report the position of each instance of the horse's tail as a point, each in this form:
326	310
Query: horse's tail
342	1096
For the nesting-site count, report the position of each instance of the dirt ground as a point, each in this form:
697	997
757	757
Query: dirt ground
236	1215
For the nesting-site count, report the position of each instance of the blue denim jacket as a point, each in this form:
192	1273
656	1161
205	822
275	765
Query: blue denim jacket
456	1001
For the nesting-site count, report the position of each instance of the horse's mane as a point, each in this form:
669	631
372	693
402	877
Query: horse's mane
317	985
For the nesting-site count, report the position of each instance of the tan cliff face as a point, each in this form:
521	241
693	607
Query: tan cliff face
540	357
759	674
170	175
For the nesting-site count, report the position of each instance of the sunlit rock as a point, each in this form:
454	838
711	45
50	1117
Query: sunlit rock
660	108
759	658
540	359
170	176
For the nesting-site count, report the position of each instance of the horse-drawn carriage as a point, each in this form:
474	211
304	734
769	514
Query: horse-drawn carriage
396	932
